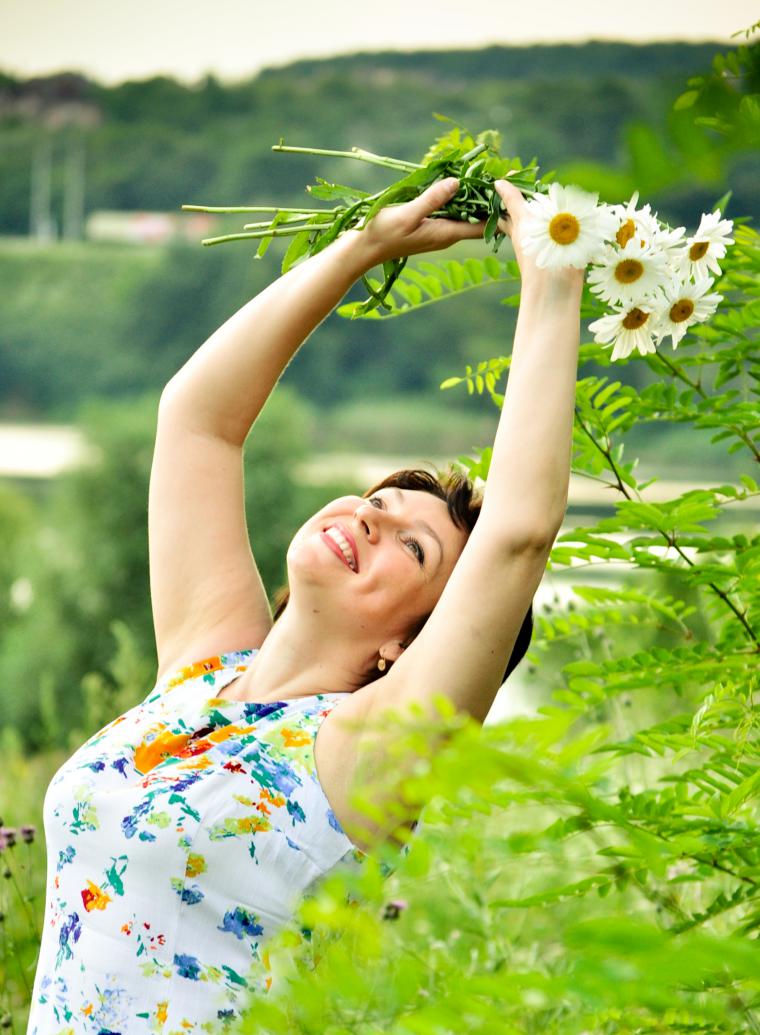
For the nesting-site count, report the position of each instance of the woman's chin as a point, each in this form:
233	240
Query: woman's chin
313	562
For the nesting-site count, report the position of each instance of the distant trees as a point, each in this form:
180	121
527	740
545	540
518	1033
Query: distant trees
160	143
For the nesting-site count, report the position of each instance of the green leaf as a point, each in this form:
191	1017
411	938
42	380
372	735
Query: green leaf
297	248
722	203
686	100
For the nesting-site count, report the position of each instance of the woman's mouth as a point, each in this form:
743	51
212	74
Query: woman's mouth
342	543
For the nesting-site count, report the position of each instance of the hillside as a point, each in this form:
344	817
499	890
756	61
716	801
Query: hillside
84	319
156	143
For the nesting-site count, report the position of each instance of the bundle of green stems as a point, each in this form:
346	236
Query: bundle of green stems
312	229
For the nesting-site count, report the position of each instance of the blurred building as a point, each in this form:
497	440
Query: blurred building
149	227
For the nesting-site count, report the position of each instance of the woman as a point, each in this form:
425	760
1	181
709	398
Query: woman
182	835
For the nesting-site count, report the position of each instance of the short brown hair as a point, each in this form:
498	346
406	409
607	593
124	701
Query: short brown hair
463	503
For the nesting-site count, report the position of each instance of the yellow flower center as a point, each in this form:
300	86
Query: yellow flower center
564	228
681	310
625	233
635	319
629	270
698	249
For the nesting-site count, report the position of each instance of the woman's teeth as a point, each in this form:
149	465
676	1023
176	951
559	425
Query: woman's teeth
340	540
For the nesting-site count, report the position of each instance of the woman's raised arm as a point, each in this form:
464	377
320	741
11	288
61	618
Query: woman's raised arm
464	646
206	592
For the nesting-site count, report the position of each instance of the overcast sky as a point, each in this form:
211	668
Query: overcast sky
112	40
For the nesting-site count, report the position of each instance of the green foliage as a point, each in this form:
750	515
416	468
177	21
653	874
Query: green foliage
660	159
154	308
426	282
594	866
473	161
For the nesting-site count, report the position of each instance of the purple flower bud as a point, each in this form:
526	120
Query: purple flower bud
393	909
27	834
8	836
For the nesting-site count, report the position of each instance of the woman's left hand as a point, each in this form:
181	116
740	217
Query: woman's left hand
515	210
407	229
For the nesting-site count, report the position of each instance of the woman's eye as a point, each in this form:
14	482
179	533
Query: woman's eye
417	550
376	502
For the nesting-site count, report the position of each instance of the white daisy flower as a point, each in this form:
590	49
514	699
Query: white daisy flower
628	275
645	225
685	304
630	328
565	227
702	251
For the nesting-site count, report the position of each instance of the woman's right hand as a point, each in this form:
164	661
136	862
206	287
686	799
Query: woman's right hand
408	229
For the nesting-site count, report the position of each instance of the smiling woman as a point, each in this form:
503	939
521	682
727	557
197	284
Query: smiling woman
183	834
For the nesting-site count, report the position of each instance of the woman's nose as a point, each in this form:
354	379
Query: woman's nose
367	517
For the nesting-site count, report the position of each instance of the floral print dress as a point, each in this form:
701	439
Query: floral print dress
179	838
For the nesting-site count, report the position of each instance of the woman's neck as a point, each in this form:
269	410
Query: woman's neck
296	661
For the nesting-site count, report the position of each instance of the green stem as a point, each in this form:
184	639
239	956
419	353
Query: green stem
355	152
526	188
22	900
741	615
610	462
260	208
671	539
284	224
683	376
277	232
477	150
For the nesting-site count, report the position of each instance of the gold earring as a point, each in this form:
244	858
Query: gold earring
381	664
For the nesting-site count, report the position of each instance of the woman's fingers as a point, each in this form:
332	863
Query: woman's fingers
435	197
514	203
459	230
508	192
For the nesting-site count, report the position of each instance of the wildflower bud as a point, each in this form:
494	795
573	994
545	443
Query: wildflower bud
7	837
27	834
6	1021
393	909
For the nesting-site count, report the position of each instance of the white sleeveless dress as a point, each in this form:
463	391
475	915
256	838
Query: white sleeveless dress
179	838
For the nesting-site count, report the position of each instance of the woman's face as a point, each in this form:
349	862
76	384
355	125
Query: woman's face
379	564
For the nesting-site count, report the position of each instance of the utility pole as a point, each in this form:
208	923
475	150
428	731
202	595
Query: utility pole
42	226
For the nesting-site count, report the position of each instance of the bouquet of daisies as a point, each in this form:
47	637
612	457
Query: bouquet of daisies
656	283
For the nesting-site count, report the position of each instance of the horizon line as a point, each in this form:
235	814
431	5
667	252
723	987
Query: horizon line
235	79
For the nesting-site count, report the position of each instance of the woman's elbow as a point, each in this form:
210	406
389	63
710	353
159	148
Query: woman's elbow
523	533
539	539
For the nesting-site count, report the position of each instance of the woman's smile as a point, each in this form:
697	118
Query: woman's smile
342	543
